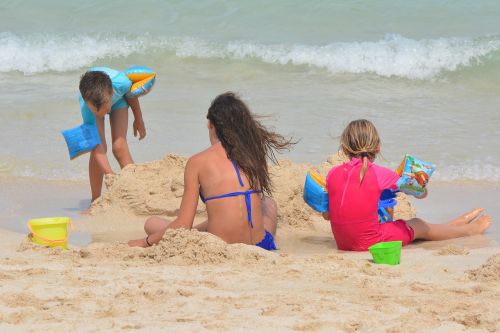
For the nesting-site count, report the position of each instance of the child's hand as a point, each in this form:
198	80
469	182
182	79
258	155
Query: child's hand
423	196
139	129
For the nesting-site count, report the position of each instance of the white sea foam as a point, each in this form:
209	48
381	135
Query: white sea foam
393	56
41	53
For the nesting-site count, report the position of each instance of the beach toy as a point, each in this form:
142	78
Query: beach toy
143	79
386	252
386	206
414	175
315	193
81	139
135	81
51	231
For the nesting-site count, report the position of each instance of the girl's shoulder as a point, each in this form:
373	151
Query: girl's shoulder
386	177
332	172
381	168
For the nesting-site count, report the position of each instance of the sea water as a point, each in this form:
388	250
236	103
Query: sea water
427	73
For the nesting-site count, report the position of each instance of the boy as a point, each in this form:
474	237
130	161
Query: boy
103	91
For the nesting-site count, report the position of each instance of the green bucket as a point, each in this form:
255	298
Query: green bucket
386	252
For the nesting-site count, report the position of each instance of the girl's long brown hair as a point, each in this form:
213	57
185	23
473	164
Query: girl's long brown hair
246	141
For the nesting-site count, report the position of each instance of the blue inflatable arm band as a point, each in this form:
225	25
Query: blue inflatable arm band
415	175
315	194
81	139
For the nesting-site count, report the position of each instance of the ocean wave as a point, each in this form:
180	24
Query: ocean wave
42	53
392	56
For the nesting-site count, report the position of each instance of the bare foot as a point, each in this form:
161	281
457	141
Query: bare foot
467	217
86	211
480	225
137	243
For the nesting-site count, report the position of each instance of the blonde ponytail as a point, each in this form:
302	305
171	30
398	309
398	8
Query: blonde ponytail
364	168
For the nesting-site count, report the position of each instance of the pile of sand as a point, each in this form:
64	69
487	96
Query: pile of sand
178	247
155	188
188	247
489	272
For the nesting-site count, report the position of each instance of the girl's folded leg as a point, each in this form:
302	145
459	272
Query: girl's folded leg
154	224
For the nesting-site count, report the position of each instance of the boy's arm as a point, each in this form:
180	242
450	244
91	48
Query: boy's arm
138	126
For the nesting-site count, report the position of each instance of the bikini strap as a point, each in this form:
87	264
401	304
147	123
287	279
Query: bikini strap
237	173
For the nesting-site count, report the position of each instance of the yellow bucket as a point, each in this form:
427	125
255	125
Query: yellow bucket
51	231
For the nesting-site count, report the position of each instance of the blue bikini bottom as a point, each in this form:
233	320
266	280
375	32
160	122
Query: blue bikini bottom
268	242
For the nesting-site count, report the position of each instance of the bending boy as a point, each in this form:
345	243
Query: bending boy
103	92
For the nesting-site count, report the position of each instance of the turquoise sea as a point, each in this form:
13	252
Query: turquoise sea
427	73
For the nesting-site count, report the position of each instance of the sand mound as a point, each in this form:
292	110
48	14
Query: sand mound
153	188
178	247
490	271
156	188
189	247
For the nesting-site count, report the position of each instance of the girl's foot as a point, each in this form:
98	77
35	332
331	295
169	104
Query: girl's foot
137	243
467	217
480	225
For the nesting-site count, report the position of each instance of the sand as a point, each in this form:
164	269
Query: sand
195	282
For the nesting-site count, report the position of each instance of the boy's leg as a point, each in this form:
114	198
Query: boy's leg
428	231
95	172
269	214
118	120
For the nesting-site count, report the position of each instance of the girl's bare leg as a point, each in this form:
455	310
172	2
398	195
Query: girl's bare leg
155	228
428	231
154	224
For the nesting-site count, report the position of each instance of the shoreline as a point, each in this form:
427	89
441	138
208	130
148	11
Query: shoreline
23	198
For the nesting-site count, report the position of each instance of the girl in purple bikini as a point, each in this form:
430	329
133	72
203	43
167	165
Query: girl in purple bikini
231	177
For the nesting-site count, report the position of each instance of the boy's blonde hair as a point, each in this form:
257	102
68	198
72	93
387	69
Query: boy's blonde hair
360	139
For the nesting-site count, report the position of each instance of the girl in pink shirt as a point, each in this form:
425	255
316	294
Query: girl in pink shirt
354	189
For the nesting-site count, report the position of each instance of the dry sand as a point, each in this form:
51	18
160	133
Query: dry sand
194	282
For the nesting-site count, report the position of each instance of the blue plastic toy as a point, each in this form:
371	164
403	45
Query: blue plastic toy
315	194
386	206
81	139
